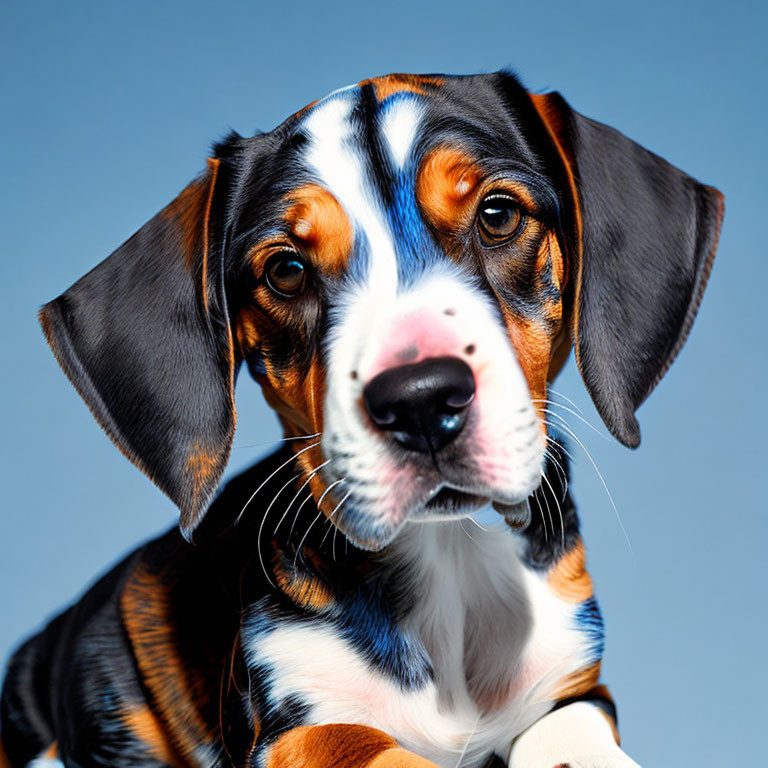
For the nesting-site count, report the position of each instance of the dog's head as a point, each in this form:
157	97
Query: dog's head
403	266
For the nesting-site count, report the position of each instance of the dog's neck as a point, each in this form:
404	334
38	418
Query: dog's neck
463	583
467	606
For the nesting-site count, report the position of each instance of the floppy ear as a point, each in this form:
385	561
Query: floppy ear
145	339
642	238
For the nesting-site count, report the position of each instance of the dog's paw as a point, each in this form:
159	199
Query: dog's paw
576	736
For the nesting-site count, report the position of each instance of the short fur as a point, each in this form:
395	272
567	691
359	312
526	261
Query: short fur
346	615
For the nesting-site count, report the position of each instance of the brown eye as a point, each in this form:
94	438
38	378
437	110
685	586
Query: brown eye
286	274
499	219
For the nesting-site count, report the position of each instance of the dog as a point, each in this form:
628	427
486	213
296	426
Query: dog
404	267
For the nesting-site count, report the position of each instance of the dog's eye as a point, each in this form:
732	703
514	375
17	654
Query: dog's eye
286	274
499	219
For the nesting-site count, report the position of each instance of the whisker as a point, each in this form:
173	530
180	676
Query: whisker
285	463
319	504
320	512
338	506
560	446
303	538
298	493
325	492
466	532
276	440
551	456
333	513
559	512
604	484
567	399
580	418
466	743
309	497
264	519
549	509
541	512
330	527
481	527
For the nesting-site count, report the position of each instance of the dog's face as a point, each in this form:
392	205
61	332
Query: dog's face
404	301
403	266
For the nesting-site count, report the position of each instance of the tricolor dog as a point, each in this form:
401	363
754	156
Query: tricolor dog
404	267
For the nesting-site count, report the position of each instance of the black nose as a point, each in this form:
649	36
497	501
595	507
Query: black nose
423	404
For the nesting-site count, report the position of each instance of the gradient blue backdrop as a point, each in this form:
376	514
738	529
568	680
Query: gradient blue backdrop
107	112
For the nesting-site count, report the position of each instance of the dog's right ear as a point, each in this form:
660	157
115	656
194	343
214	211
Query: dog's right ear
145	339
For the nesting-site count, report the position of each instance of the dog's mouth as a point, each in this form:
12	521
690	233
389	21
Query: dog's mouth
371	514
443	504
454	501
449	502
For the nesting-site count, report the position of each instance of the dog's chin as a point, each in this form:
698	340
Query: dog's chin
368	532
367	535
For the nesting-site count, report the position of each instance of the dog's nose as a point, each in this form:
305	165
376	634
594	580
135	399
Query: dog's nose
423	404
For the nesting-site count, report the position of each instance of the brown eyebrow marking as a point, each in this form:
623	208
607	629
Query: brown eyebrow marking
445	185
449	184
388	85
316	218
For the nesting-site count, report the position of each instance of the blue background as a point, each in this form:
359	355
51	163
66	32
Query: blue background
108	110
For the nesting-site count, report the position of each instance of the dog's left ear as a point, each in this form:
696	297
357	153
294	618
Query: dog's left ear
146	341
642	237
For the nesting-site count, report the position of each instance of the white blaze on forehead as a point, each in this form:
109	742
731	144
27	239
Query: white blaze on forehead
336	157
399	125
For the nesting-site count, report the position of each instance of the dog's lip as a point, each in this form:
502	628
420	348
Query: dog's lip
447	499
448	496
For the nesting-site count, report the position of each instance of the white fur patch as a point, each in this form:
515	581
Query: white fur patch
479	604
45	762
399	127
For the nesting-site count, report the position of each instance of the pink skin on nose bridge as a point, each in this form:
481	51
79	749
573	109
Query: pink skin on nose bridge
416	336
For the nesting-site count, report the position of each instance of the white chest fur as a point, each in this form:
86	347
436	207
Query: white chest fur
499	641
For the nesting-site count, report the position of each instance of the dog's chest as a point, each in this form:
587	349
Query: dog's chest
491	639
